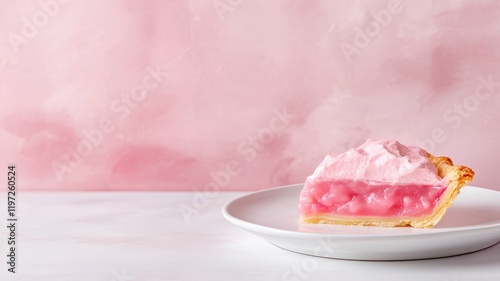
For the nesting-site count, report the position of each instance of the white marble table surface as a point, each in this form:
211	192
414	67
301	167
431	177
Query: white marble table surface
126	236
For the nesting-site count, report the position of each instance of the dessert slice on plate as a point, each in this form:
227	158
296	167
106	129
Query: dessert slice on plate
382	183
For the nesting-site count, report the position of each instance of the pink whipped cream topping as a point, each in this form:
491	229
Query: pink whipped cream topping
379	178
379	161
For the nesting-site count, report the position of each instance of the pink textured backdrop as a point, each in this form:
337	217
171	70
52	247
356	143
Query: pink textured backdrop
237	94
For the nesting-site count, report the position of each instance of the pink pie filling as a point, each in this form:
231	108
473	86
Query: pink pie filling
380	178
359	198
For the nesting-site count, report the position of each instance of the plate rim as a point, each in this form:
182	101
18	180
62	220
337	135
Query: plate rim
253	227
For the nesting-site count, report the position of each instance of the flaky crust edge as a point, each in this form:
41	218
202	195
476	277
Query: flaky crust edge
455	177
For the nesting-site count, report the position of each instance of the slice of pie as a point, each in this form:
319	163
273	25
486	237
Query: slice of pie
382	183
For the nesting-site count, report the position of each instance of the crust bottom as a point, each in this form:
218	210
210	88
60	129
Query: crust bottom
455	177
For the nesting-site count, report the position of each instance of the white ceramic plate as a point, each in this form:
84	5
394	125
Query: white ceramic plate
471	224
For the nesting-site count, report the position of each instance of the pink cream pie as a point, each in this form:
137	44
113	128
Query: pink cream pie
382	183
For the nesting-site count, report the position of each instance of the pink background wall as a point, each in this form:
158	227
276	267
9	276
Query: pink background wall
236	94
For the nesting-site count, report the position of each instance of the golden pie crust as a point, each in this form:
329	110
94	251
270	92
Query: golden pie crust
456	177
